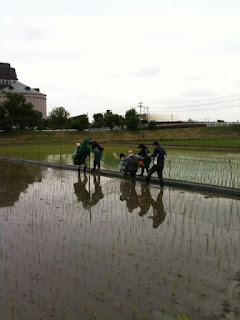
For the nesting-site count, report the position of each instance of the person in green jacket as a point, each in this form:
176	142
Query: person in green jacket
97	150
80	154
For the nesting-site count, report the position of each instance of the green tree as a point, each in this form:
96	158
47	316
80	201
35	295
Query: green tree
58	118
44	124
152	125
98	120
80	122
4	125
132	120
17	113
111	120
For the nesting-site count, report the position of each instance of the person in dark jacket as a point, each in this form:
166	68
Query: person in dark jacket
131	164
143	153
159	156
97	150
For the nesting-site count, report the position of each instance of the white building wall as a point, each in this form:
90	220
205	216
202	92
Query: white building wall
39	102
159	117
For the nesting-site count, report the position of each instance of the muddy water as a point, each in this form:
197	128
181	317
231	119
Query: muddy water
99	248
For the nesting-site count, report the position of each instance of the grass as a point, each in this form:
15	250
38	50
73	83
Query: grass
219	136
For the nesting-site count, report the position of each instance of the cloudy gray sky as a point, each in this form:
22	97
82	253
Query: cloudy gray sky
176	57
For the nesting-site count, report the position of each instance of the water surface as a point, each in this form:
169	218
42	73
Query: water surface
102	248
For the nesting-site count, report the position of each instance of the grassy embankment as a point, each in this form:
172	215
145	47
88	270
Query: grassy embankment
212	137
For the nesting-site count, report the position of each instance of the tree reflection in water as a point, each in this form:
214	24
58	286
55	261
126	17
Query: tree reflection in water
15	179
144	201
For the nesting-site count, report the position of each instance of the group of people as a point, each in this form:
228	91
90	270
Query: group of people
128	164
83	150
143	160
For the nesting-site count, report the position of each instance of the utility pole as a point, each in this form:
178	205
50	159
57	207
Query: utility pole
140	107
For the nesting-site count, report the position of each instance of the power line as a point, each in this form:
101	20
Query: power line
198	105
229	107
192	101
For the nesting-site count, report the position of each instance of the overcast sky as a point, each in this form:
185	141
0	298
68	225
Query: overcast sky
176	57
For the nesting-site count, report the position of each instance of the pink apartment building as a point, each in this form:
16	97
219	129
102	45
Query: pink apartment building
10	83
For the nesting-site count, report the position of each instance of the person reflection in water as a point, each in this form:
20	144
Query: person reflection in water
84	195
144	201
128	193
97	195
159	214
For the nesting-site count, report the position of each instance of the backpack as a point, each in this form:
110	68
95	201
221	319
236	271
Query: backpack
134	161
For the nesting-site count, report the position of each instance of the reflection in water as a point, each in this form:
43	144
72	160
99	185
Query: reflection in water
144	201
15	179
83	195
158	210
57	263
128	193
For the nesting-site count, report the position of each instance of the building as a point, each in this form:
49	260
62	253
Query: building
159	118
9	83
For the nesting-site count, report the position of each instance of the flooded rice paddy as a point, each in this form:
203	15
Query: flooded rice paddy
102	248
220	168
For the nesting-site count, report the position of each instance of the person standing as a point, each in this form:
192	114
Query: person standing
79	157
122	164
97	150
77	150
159	156
143	153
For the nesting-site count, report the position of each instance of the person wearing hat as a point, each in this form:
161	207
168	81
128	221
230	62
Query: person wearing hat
78	148
143	153
77	158
131	164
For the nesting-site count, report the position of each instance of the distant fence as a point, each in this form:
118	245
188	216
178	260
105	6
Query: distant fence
174	126
222	124
159	126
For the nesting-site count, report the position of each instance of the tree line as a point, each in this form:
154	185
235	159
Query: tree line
18	114
59	118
